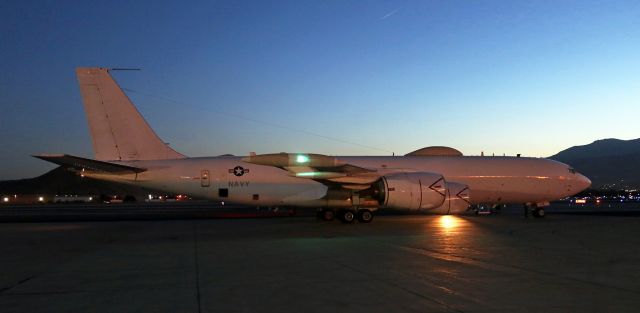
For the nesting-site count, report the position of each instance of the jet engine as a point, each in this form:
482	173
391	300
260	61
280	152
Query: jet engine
411	191
456	201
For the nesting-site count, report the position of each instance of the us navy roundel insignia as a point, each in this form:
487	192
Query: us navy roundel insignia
238	170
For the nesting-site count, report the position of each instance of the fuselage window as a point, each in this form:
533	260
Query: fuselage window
572	170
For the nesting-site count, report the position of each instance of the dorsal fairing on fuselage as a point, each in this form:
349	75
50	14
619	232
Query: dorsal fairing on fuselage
435	151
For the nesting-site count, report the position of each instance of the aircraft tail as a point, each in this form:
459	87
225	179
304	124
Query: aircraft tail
118	131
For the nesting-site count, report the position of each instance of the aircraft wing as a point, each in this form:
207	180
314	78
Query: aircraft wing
79	163
323	168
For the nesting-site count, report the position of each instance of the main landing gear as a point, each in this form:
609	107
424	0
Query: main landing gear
347	216
365	216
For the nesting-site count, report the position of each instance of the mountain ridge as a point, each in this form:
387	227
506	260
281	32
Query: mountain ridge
609	163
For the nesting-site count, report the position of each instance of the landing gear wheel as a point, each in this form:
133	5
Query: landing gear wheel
347	216
365	216
538	212
327	215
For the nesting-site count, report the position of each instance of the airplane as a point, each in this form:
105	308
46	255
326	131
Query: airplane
437	180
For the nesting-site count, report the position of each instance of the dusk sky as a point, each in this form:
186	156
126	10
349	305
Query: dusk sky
330	77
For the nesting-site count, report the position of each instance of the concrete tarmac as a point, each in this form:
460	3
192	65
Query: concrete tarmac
501	263
74	212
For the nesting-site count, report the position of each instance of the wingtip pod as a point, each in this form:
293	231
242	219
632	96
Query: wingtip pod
118	130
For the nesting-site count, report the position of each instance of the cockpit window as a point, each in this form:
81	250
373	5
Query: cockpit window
572	170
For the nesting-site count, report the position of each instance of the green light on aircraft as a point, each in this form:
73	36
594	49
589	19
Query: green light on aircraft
302	158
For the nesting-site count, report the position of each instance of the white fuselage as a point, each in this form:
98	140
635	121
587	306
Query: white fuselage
119	132
492	180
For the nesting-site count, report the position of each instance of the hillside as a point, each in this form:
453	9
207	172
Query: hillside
607	162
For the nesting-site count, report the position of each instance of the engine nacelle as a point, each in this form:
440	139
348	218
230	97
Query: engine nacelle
411	191
457	200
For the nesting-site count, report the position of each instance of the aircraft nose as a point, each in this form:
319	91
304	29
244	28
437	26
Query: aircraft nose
583	182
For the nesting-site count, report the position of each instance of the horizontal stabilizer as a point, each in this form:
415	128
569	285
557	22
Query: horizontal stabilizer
79	163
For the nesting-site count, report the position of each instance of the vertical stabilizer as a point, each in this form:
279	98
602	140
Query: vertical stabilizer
118	130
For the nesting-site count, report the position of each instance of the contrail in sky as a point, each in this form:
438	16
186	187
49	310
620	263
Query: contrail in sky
386	16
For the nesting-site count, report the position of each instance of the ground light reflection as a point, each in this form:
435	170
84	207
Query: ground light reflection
451	233
450	224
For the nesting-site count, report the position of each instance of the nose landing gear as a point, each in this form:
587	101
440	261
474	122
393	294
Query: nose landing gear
326	215
536	211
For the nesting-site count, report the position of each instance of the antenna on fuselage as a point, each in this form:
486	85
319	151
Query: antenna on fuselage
123	69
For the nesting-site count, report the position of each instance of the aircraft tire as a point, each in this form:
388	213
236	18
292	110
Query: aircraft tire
327	215
538	212
347	216
365	216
